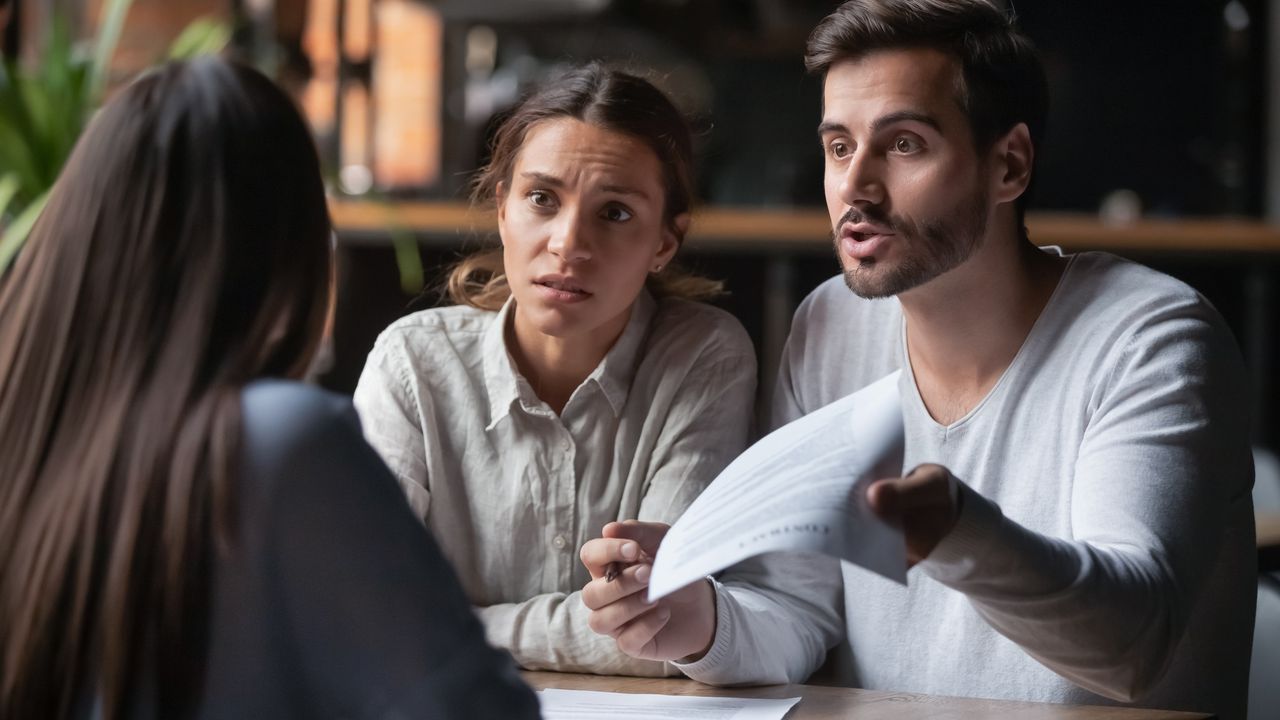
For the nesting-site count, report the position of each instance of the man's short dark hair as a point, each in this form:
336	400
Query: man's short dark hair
1002	81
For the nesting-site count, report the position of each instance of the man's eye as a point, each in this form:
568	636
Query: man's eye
616	213
838	150
905	145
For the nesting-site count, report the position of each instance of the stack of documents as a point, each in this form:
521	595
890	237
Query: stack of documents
802	487
584	705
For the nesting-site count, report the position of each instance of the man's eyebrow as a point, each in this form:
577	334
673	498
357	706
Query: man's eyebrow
829	126
880	123
904	116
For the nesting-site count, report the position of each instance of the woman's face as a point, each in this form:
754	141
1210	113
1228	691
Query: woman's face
582	225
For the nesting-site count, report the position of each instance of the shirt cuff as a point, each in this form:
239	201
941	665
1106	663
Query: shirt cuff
957	555
718	655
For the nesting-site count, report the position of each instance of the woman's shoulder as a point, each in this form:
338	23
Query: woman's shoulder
456	323
699	328
286	424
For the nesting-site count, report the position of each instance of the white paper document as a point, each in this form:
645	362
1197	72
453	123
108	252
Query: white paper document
584	705
801	487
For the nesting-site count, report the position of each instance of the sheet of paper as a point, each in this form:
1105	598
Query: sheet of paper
801	487
584	704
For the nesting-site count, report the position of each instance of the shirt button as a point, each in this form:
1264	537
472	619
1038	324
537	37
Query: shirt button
559	542
566	445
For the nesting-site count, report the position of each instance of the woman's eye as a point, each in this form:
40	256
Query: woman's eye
616	213
540	198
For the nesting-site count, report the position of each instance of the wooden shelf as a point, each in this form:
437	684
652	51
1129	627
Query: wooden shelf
726	228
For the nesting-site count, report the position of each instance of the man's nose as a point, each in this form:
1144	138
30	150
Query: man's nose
863	181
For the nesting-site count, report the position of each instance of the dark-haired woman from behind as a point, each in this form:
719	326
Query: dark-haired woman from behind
578	381
185	532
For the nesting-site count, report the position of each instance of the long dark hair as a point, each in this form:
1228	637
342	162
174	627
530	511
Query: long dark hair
612	100
184	251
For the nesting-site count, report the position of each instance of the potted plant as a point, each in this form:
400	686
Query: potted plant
44	108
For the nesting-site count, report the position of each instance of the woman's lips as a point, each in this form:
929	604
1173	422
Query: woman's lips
564	291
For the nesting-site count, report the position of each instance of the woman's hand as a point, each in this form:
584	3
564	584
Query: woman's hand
680	626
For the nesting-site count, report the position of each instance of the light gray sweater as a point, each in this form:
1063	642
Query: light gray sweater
1105	550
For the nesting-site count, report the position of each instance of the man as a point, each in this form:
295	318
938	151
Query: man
1079	515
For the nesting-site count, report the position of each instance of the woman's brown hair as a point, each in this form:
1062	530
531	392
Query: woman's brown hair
184	252
612	100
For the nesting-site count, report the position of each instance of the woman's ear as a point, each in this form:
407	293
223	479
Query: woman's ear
500	198
672	236
1014	156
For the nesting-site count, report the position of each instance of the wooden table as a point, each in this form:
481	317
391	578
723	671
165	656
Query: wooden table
1268	526
823	703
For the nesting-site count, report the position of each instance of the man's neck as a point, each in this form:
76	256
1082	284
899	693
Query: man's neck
556	366
965	327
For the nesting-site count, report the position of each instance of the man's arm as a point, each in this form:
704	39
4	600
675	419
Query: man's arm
1163	469
770	620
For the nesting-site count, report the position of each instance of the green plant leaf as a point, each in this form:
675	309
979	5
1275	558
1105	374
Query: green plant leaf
16	233
16	158
412	278
105	47
204	36
9	187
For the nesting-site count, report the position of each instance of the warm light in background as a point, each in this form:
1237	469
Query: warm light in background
320	44
407	94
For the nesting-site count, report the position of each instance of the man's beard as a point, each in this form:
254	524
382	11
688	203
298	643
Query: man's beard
927	250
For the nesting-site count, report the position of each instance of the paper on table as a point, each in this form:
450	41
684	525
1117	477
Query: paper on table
583	704
801	487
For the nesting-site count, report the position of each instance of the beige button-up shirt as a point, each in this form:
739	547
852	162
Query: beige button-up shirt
511	490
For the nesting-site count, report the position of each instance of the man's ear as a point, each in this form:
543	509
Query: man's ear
1013	157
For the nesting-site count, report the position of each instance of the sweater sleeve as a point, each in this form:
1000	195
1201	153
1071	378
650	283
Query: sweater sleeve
776	614
1163	471
376	621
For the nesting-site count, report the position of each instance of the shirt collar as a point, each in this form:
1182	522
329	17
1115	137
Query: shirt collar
501	379
613	375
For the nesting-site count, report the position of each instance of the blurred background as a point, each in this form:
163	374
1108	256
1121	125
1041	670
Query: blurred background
1159	144
1163	143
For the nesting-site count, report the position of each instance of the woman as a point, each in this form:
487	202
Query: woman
576	382
179	534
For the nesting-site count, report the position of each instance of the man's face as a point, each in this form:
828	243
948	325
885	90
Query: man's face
904	185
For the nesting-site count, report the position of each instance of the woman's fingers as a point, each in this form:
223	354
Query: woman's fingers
615	604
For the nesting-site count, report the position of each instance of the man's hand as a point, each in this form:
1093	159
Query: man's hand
924	504
680	626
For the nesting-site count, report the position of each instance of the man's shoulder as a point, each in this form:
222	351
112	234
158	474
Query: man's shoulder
1115	277
1102	289
833	301
839	343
